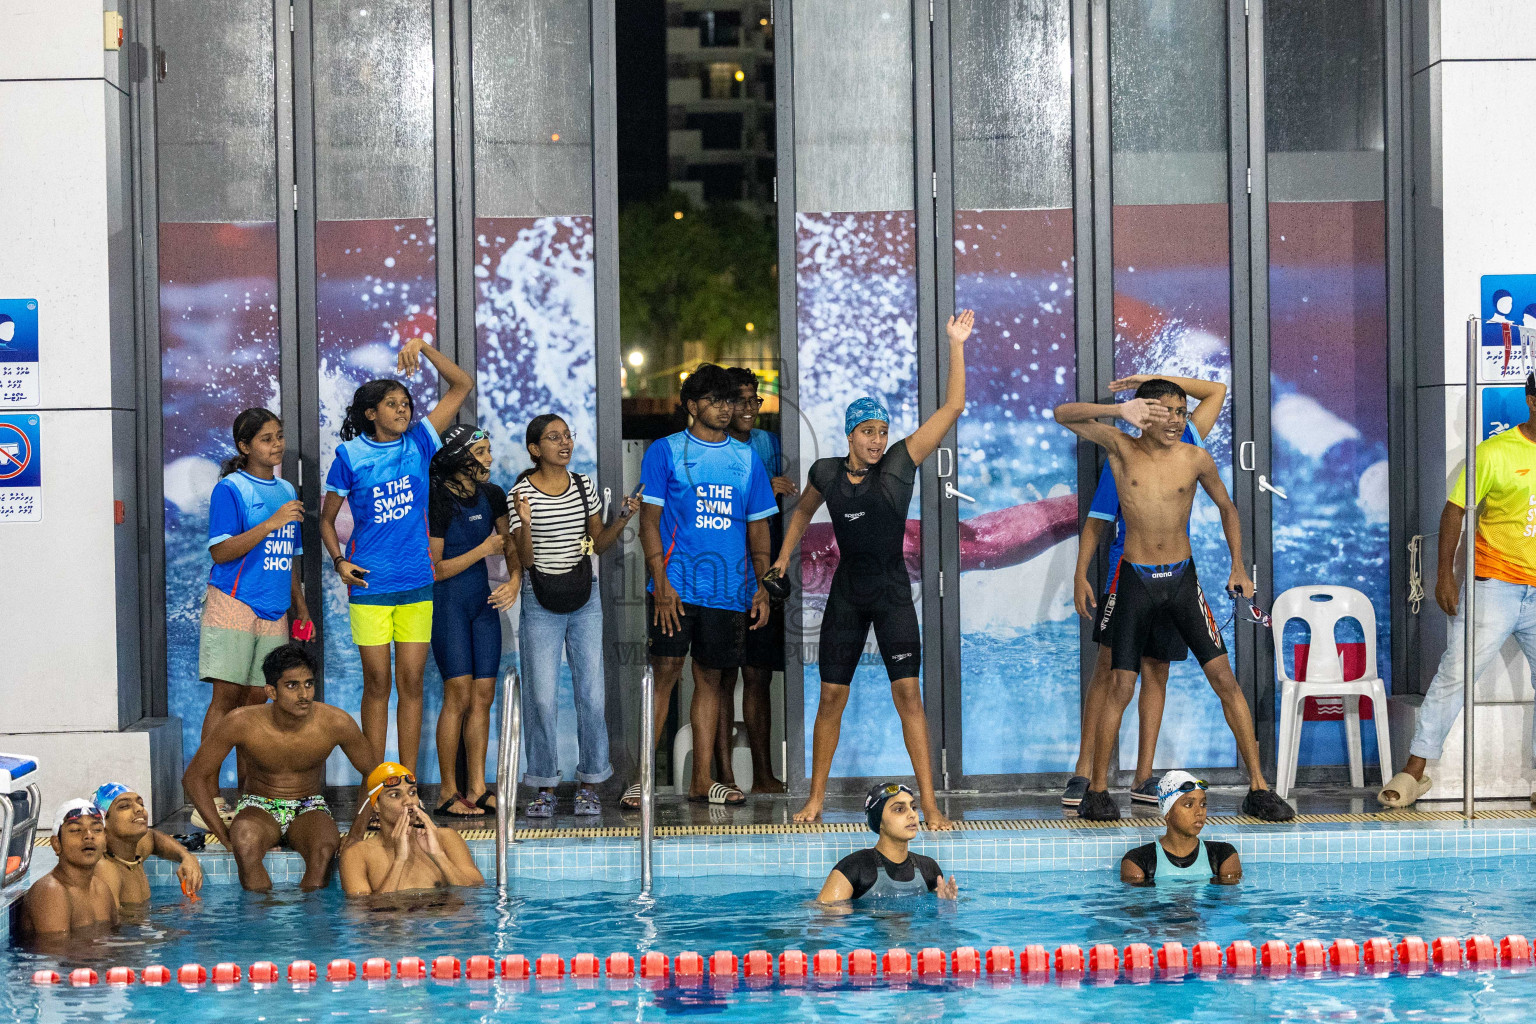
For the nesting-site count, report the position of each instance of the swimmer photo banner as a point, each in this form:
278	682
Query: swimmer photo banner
21	470
1503	408
18	353
1508	352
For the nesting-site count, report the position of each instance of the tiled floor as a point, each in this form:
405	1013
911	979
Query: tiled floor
673	811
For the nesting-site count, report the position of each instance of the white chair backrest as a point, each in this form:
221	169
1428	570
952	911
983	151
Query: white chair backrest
1321	608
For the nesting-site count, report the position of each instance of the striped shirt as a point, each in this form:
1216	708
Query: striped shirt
558	522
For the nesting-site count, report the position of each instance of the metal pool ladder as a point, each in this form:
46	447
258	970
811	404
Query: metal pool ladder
508	751
647	775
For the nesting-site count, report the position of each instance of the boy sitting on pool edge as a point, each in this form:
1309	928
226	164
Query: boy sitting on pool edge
889	868
1180	853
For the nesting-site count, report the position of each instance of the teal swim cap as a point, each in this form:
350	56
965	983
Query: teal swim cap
865	408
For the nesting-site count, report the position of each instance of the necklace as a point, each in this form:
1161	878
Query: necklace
127	863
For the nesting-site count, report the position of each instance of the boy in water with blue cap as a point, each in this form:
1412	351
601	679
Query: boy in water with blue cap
889	868
1180	853
130	840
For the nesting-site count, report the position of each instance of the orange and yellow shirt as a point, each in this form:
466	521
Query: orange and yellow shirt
1506	499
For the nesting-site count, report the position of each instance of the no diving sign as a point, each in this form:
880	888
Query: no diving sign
21	470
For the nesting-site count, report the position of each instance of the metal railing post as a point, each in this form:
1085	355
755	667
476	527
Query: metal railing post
1469	573
647	775
508	751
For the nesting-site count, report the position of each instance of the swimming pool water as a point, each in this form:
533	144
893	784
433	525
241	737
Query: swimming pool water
1289	902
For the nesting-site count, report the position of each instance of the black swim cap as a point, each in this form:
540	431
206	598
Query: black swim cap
874	801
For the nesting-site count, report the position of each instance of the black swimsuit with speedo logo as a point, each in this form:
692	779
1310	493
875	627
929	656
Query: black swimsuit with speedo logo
870	586
1145	593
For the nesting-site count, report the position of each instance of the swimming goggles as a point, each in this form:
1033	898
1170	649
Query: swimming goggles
76	813
1253	614
887	791
391	781
1192	785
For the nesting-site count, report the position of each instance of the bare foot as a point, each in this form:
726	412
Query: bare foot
810	812
935	820
771	785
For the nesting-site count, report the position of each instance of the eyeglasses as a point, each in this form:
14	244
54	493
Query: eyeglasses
568	436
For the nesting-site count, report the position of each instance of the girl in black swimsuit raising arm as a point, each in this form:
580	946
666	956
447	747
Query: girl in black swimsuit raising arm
867	493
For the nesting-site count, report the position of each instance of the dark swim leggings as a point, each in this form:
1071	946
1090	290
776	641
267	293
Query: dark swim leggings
466	638
887	606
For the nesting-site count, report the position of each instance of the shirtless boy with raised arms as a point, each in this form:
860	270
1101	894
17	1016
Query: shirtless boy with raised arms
1156	475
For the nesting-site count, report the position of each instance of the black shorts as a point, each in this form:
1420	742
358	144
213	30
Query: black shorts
714	636
1164	644
1146	593
764	648
845	627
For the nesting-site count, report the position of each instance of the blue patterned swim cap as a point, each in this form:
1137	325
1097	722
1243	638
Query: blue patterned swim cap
106	793
865	409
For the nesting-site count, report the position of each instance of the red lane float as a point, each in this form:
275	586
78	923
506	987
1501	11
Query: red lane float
123	976
999	960
548	967
793	965
862	963
654	966
896	963
376	968
688	964
341	970
446	968
1446	951
155	974
585	965
302	972
226	974
514	967
192	974
480	967
827	963
722	964
619	965
965	960
1034	961
1344	953
757	964
82	977
1481	952
931	962
1275	955
1138	957
1378	952
1412	951
1173	957
45	977
263	972
1310	955
1069	960
411	968
1514	951
1241	956
1206	956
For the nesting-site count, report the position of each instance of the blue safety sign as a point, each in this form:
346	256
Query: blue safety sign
18	352
21	469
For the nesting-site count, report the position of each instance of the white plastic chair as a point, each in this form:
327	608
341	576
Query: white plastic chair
741	752
1321	608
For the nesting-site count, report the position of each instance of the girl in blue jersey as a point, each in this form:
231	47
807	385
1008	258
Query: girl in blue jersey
254	520
381	472
467	522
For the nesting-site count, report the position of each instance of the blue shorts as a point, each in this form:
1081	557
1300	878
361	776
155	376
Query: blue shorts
466	636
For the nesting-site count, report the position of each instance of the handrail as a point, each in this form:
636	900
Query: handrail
1469	572
10	826
647	775
508	750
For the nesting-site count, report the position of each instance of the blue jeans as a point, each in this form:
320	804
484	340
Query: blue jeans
1503	610
544	636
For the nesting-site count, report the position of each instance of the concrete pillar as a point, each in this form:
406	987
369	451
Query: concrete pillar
1474	100
70	681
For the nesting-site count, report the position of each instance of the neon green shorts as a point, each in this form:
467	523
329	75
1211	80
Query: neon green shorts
375	624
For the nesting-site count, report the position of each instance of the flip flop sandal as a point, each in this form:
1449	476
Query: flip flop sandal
446	810
630	801
1407	788
488	808
541	806
719	795
587	802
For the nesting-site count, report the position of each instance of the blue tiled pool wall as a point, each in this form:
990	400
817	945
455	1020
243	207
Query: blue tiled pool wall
811	856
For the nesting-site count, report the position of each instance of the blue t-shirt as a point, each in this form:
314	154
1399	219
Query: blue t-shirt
1106	501
386	488
769	450
708	493
263	579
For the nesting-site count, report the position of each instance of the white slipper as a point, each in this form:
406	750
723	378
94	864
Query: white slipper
630	801
719	795
1407	788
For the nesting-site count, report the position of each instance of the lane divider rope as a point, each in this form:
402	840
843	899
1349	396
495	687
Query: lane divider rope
1103	963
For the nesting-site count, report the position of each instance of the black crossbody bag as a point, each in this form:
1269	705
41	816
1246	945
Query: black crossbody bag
564	592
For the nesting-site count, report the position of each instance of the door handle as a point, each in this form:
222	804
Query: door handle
1265	485
607	501
1245	456
950	492
942	472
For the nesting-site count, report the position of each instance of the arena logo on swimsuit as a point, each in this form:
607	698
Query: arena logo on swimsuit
393	500
714	505
277	554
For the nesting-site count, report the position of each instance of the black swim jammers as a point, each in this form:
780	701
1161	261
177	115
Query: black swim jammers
1146	593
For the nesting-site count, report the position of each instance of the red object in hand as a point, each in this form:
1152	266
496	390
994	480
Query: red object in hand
304	630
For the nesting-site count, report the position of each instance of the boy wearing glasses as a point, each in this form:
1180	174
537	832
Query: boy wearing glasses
285	743
1180	853
704	527
1156	474
413	853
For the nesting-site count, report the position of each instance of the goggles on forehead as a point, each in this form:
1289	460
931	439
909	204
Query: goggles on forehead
398	780
76	813
1192	785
